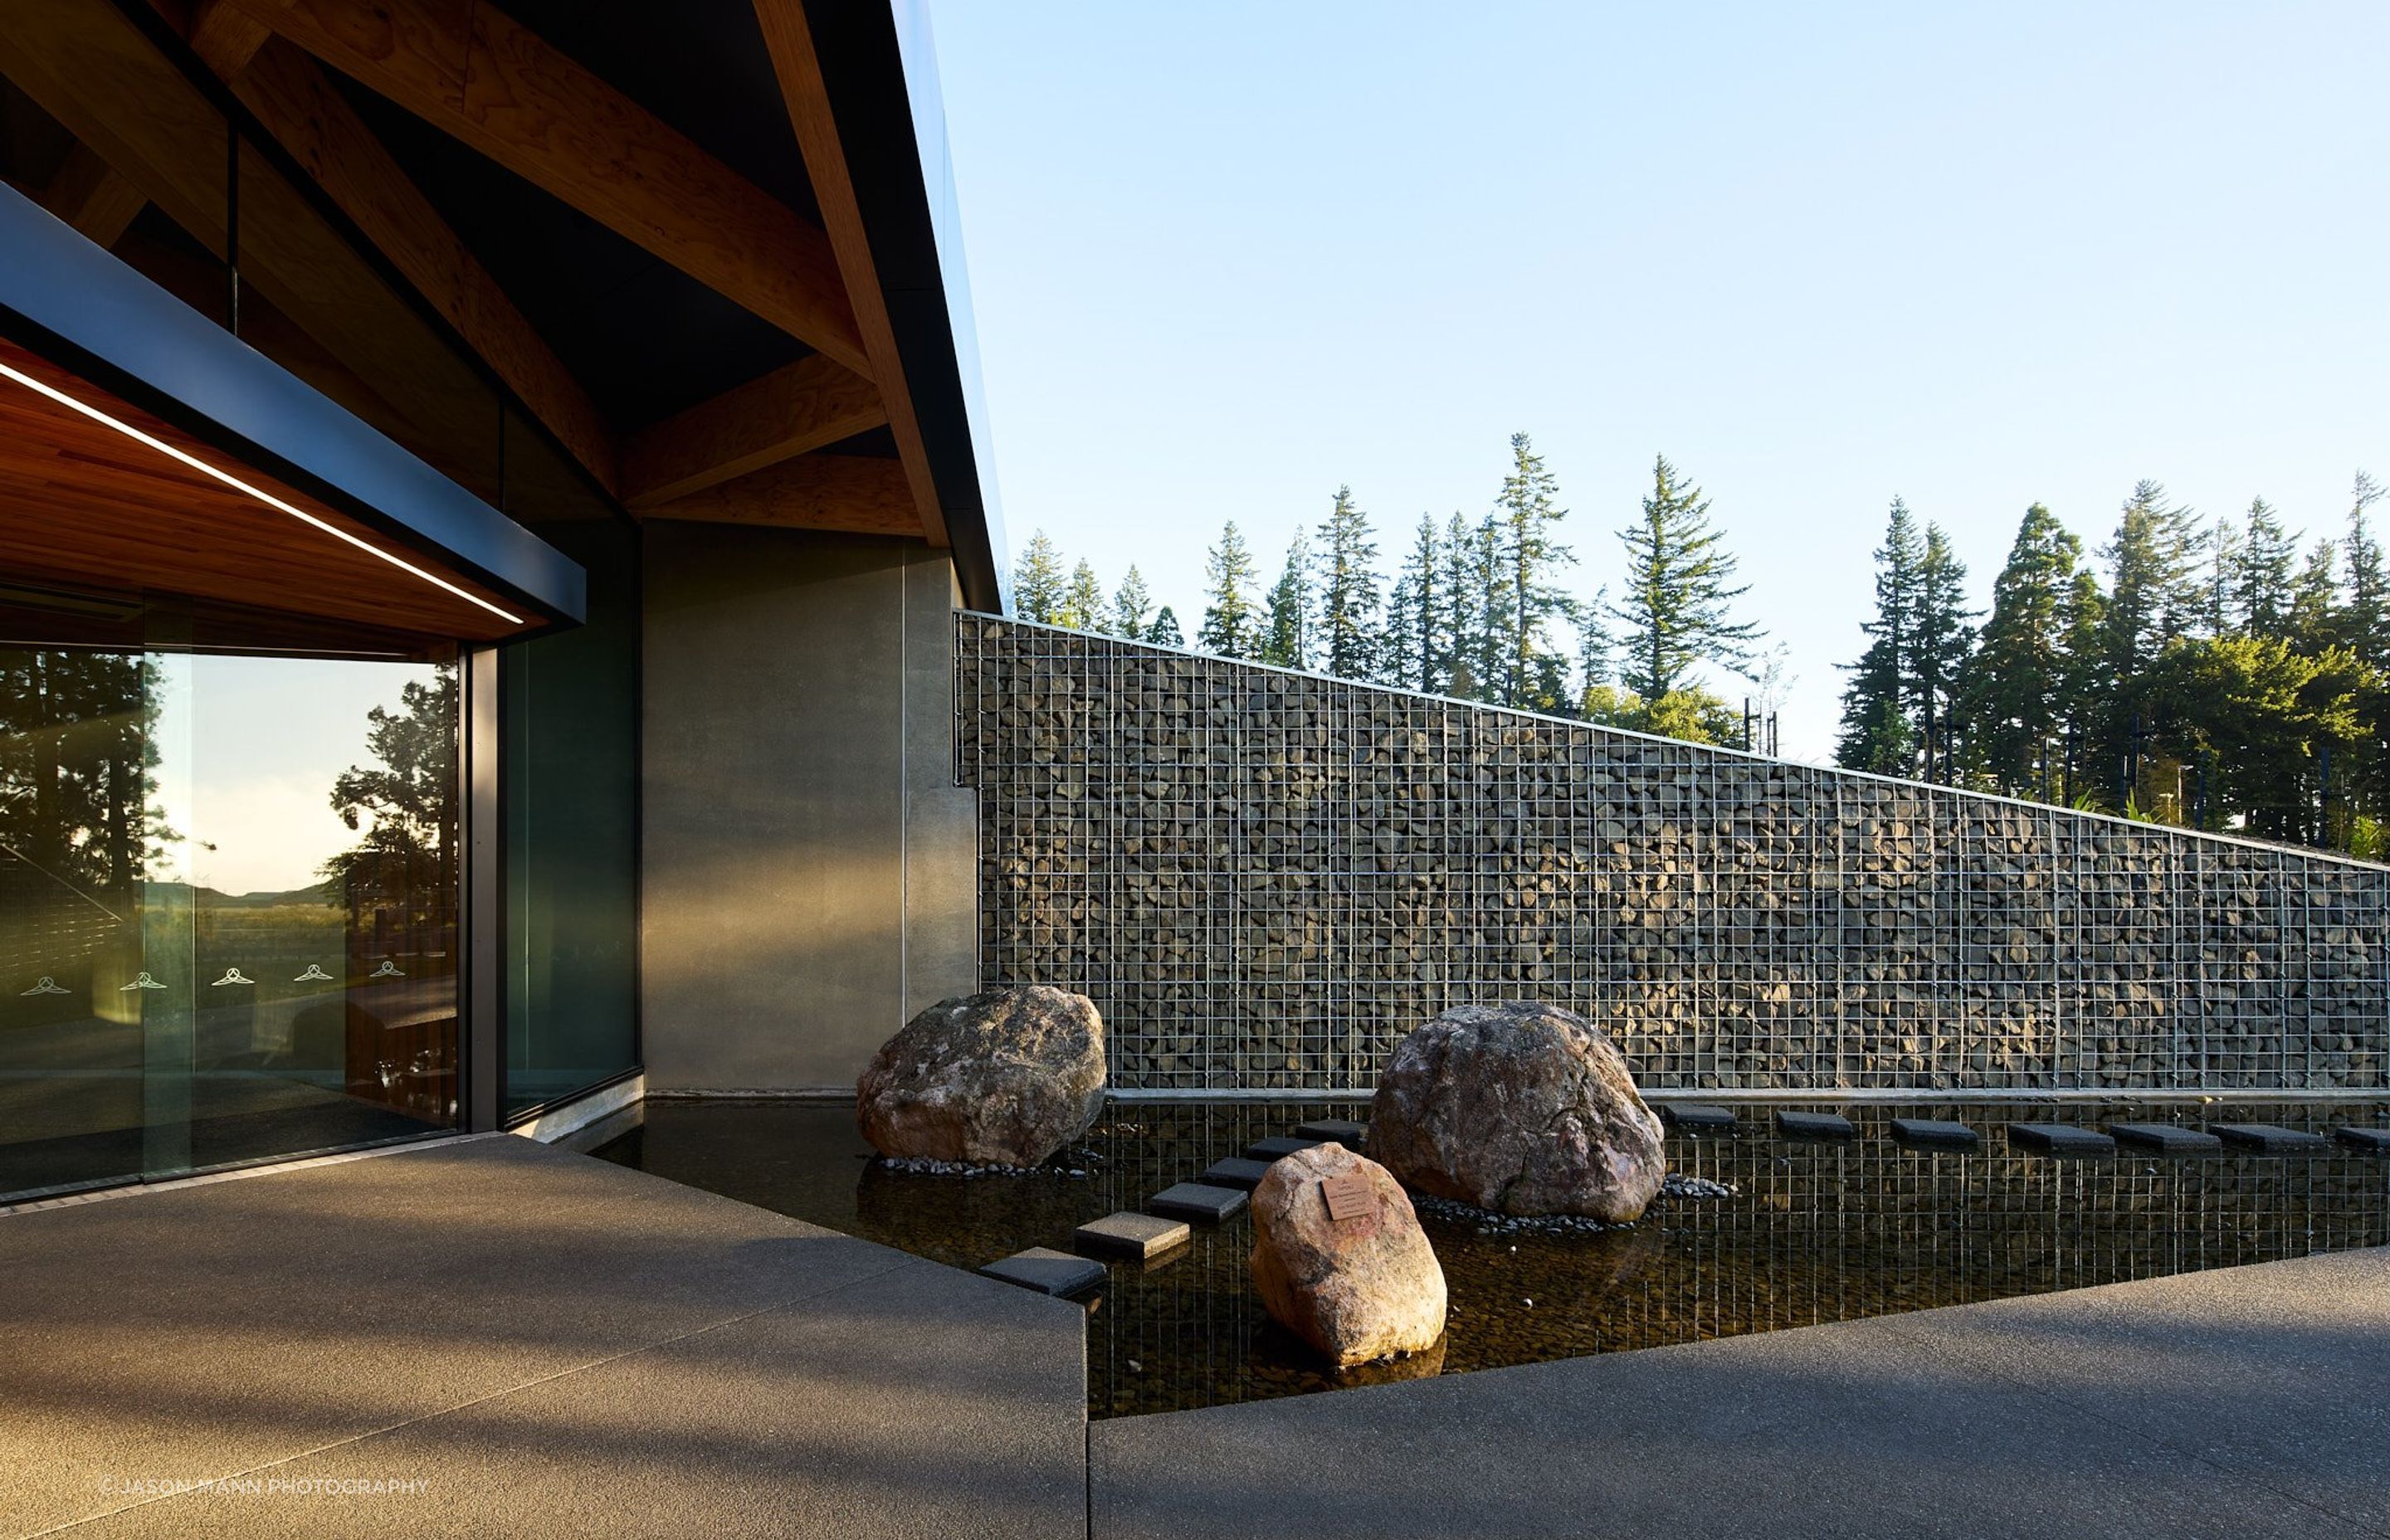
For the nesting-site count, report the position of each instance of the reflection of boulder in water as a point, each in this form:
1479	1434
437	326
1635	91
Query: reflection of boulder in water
972	1219
1426	1364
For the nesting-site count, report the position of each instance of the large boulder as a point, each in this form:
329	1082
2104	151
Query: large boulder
1359	1287
1003	1078
1520	1108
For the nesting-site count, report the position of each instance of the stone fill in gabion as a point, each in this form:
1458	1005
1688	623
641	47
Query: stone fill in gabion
1265	879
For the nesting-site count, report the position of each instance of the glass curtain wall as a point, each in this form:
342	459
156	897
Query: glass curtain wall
229	908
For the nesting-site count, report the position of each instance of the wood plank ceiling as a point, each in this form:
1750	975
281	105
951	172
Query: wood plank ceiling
148	136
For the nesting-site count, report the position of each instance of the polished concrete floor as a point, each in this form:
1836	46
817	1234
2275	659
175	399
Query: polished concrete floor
490	1336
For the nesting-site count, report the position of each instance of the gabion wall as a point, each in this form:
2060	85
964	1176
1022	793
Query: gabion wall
1264	878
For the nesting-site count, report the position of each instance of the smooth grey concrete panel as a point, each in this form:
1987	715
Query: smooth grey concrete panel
1901	1425
806	881
199	1332
924	1404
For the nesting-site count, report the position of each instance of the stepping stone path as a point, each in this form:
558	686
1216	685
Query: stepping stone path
1342	1131
2060	1138
1132	1235
2268	1139
1046	1270
2376	1140
1815	1125
1695	1114
2165	1137
1196	1200
1935	1134
1236	1172
1277	1147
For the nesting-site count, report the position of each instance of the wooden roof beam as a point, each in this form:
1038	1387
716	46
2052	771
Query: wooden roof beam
784	414
475	73
856	494
789	41
291	97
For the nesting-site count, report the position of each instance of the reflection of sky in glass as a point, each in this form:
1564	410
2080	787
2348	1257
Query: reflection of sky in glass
248	750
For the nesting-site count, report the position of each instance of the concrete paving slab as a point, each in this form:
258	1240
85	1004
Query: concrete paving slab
1344	1130
1695	1115
1814	1125
2374	1141
2060	1138
2167	1138
1278	1147
1043	1270
1235	1172
1196	1200
1890	1426
1128	1234
2269	1139
925	1404
207	1329
1935	1134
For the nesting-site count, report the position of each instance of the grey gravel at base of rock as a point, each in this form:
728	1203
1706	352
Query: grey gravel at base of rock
1358	1282
1520	1107
1003	1078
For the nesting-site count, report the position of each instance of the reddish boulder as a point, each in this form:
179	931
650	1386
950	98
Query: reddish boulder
1354	1276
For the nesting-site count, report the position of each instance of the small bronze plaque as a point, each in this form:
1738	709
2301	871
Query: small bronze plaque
1349	1195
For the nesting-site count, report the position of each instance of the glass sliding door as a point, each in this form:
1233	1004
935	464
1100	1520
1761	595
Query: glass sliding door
229	908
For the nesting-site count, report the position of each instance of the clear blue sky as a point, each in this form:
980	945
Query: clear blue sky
1226	256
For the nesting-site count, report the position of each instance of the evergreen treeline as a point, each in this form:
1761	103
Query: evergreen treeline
1475	609
2218	679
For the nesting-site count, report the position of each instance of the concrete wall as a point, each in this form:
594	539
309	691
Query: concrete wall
1266	878
808	858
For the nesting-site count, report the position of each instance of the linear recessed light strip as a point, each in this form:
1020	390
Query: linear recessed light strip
95	415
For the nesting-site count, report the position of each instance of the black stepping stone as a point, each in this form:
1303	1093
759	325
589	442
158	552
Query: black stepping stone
1696	1115
1196	1200
1935	1134
2060	1138
2376	1140
2167	1138
1047	1272
1132	1235
1815	1125
1235	1172
1344	1130
1273	1148
2268	1139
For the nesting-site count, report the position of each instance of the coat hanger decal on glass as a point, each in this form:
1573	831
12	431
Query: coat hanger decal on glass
140	981
312	972
388	970
46	985
232	976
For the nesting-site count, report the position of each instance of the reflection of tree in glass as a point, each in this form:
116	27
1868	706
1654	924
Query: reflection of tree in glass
76	753
402	870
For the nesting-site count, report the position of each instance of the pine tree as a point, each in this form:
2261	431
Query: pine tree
1414	620
2082	689
2011	691
2219	603
1877	732
2261	585
1165	631
1593	665
1526	514
1130	606
1037	584
2365	616
1286	637
1462	635
1489	664
2315	599
1348	591
1940	641
1082	602
1678	603
2154	598
1232	628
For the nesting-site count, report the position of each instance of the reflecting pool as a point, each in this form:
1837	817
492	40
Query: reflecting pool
1814	1232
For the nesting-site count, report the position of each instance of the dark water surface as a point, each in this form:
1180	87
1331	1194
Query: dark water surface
1814	1232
